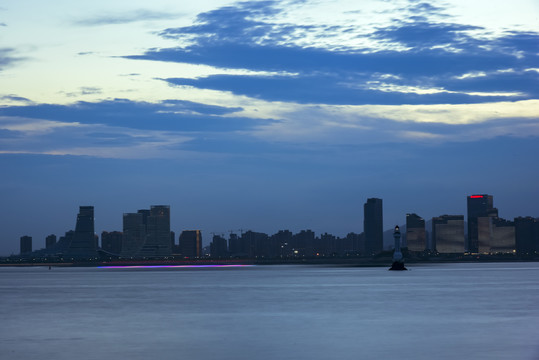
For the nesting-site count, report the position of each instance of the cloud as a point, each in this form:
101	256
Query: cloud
7	58
425	59
126	18
38	136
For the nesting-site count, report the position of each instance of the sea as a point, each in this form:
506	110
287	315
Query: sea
433	311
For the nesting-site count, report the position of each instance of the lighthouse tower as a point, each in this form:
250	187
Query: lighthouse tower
398	261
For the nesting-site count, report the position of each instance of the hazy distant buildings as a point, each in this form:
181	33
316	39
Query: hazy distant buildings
416	236
146	233
26	244
218	247
83	243
133	235
480	209
191	243
526	235
50	242
111	242
448	234
373	226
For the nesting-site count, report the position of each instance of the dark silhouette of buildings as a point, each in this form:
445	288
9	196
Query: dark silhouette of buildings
373	225
526	235
448	234
83	243
480	208
134	234
26	244
191	243
416	237
146	233
111	242
50	241
218	247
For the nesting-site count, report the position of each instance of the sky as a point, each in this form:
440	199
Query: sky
264	115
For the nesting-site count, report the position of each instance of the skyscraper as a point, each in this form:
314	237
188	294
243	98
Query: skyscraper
416	237
50	241
26	244
448	234
191	243
134	234
526	235
479	206
373	226
83	243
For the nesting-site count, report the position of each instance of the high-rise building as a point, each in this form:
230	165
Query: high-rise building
373	225
83	242
26	244
416	237
526	235
218	248
111	242
479	206
134	234
448	234
50	241
191	243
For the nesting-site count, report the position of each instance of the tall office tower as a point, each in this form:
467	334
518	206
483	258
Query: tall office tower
525	235
83	243
50	241
373	225
234	246
157	232
416	236
448	234
479	206
111	242
26	244
218	248
134	234
191	243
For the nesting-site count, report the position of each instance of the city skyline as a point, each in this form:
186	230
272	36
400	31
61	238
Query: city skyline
266	115
147	233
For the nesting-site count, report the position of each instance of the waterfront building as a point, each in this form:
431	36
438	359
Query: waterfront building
111	242
218	248
448	234
373	225
416	237
191	243
526	235
479	207
50	242
26	244
134	234
83	243
503	237
157	242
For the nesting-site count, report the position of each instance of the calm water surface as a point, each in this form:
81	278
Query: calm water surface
449	311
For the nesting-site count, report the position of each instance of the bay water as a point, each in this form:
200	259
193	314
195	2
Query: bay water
434	311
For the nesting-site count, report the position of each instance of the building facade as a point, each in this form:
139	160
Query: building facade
373	225
416	236
448	234
479	206
26	244
191	243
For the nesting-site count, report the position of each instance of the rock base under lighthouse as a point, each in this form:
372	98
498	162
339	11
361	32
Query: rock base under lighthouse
397	265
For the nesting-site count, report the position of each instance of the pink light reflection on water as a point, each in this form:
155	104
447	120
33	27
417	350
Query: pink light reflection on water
168	266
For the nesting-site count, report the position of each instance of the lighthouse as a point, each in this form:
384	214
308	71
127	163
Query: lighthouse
398	261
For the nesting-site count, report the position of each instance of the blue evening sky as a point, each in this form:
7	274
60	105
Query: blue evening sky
264	115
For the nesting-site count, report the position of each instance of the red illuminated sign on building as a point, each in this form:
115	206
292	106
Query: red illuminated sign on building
476	196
